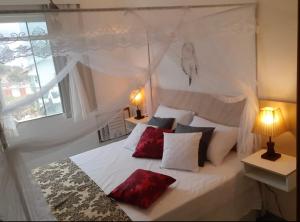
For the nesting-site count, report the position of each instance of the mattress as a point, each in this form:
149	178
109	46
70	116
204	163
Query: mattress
212	193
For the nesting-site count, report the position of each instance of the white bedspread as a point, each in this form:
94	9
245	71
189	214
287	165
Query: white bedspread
212	193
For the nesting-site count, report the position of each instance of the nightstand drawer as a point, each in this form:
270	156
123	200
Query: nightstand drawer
131	122
285	183
280	174
129	125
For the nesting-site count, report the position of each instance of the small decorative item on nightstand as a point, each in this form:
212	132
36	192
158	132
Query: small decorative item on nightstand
270	122
136	98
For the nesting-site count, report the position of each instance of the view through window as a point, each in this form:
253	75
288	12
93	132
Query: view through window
27	73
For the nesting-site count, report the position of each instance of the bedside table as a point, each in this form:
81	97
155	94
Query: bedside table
280	174
131	122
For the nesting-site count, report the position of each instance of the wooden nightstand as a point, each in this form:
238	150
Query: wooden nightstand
280	174
131	122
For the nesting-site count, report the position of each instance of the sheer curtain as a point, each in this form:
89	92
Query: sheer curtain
126	49
224	47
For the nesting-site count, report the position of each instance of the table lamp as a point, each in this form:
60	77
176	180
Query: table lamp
269	122
136	98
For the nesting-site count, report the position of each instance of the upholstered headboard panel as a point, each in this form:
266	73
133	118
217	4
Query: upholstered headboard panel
204	105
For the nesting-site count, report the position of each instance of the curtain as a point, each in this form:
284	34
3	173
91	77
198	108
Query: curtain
117	45
3	138
86	77
64	86
114	46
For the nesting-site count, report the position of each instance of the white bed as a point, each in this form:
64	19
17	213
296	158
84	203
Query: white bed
213	193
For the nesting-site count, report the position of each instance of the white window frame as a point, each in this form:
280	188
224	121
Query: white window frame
26	19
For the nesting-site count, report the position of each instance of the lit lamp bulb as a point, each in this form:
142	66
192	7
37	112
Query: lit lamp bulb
270	122
136	98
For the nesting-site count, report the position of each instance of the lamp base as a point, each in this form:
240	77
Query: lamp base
271	154
139	114
142	117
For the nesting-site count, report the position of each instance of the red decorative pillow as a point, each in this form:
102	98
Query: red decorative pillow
151	143
142	188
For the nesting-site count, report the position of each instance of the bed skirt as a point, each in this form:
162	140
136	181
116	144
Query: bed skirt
74	196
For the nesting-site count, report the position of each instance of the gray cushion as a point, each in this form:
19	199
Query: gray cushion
164	123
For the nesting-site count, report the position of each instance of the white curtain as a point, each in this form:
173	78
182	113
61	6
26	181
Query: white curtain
225	61
114	45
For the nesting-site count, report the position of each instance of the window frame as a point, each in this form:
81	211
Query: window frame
26	20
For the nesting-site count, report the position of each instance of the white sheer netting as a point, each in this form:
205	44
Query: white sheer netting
124	50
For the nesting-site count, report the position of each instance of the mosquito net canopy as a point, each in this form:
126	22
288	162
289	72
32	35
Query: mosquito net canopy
99	57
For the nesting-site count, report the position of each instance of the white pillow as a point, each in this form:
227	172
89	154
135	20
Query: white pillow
134	137
181	151
181	116
222	141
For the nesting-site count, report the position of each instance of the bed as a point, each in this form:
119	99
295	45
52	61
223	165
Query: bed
213	193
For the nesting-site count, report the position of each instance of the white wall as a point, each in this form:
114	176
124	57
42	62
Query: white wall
49	130
225	58
53	138
277	49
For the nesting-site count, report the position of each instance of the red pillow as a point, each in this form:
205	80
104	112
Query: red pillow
151	143
142	188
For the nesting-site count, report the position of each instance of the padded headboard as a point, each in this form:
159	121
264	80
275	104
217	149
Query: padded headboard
204	105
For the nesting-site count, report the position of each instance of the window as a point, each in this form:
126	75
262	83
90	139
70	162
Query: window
27	73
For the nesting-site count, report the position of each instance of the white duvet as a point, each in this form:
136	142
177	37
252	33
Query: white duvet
211	193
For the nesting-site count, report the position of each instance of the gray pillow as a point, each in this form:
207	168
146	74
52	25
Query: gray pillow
164	123
204	141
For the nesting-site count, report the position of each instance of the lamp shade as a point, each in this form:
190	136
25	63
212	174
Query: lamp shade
269	122
136	97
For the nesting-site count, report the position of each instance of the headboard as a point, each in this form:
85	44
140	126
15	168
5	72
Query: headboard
204	105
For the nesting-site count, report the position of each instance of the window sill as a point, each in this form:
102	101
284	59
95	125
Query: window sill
38	118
